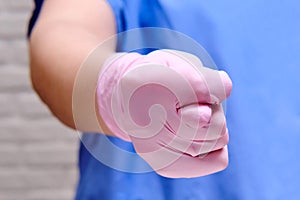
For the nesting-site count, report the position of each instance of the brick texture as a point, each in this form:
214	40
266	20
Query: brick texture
38	155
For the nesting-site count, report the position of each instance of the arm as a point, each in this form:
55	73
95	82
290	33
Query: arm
63	36
186	139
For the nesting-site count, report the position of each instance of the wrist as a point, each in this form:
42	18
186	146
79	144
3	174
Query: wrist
112	71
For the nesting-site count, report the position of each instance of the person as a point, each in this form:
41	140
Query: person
255	42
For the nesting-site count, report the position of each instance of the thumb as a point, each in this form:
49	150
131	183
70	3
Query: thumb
196	115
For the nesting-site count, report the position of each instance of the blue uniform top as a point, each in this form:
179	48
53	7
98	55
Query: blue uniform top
258	44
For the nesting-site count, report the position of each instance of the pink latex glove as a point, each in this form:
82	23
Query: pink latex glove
168	105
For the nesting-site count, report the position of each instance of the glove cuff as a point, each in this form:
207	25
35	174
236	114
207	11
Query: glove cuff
112	71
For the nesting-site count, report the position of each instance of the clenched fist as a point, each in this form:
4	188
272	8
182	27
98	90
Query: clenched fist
169	106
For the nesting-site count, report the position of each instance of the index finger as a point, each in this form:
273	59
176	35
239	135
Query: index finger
211	85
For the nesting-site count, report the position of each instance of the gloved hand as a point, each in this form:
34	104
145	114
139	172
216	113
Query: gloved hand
168	104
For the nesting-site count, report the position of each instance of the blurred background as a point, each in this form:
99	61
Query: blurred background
38	155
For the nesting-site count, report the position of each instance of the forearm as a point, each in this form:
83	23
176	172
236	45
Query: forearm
59	44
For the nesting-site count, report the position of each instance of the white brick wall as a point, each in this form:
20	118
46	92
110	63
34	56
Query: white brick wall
38	155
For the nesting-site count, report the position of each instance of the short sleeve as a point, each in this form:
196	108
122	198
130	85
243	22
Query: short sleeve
117	7
34	16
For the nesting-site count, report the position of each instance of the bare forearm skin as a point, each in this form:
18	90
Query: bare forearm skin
62	38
